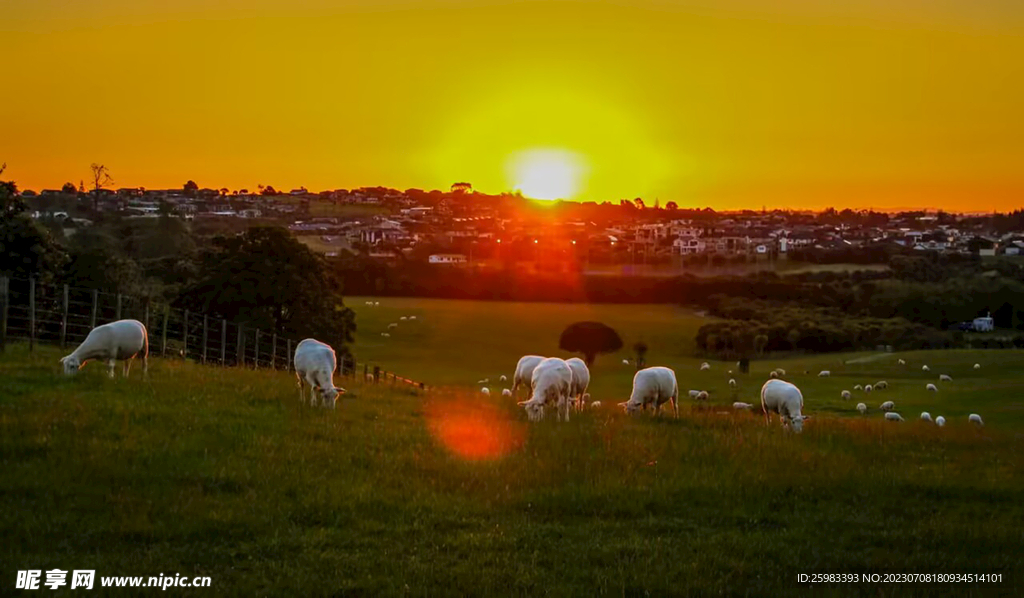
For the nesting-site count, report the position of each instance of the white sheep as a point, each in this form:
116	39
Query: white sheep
483	381
486	391
392	325
702	395
580	381
729	372
315	363
412	317
693	393
862	408
944	378
974	418
385	335
653	385
977	366
502	378
824	374
926	416
901	362
376	303
881	385
858	387
893	417
595	404
845	394
551	382
931	387
773	375
868	388
625	362
123	339
403	318
705	366
741	405
524	372
506	392
785	399
732	383
940	421
925	368
369	377
781	372
887	406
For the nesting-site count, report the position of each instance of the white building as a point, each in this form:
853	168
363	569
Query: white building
447	258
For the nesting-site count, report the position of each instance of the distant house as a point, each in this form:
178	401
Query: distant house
984	324
447	258
687	246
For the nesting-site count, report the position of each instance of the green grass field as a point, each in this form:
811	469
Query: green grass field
222	472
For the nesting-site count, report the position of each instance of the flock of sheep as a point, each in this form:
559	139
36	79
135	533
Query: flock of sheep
552	381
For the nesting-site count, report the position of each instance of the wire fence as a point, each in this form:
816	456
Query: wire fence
63	315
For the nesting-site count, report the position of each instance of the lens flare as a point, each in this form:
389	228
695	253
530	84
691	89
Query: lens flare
473	430
547	173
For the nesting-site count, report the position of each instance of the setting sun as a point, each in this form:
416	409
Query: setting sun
547	174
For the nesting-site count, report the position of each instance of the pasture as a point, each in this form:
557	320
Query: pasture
222	472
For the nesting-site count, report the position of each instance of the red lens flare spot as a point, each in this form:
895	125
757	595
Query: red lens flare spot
473	430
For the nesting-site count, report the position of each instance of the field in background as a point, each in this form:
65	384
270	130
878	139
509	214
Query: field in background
222	472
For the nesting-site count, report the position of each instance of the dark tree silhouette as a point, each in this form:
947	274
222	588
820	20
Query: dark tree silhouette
589	338
69	188
26	247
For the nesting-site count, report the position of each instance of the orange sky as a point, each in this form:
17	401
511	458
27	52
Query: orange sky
728	103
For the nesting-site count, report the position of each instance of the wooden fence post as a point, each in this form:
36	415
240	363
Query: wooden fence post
273	351
95	306
223	341
256	351
184	336
31	314
206	327
163	335
146	321
240	359
376	374
4	283
64	321
288	357
118	307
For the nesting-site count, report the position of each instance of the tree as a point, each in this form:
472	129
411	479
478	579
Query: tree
672	206
589	338
640	348
190	188
639	203
268	190
69	189
100	179
760	342
97	263
267	279
26	248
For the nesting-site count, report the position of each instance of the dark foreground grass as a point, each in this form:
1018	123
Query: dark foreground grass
204	471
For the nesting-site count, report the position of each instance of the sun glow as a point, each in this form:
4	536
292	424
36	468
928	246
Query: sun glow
547	173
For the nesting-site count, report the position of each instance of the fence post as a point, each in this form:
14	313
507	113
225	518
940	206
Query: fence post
163	335
273	351
184	336
206	325
146	321
223	341
239	347
256	351
4	282
118	307
376	374
95	306
31	314
64	321
288	357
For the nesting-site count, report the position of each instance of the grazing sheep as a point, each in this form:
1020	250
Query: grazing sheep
925	368
887	406
315	363
551	382
944	378
369	377
901	362
702	395
580	381
403	318
931	387
625	362
773	375
693	394
486	391
705	366
376	303
781	372
392	325
881	385
484	381
506	392
653	385
523	375
385	335
862	408
926	416
845	394
824	374
940	421
893	417
123	339
741	405
786	400
412	317
729	372
595	404
858	387
732	383
977	366
868	388
502	378
974	418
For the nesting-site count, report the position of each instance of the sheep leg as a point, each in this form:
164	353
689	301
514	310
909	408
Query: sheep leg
127	365
302	392
110	367
675	407
145	367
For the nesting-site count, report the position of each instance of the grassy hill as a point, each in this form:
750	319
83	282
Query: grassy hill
222	472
